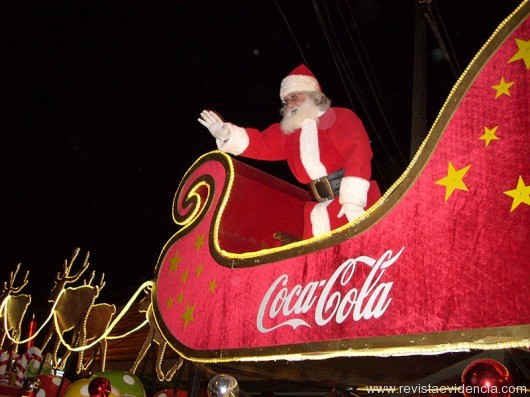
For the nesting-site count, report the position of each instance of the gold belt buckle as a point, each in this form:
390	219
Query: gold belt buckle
325	185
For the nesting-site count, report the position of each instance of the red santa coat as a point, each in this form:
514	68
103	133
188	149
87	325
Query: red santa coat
342	142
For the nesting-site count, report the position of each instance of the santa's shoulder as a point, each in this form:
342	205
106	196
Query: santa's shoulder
337	115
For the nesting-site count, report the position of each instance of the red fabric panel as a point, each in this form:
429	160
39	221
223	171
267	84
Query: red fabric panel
265	211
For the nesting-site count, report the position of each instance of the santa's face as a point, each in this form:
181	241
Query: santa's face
292	101
296	108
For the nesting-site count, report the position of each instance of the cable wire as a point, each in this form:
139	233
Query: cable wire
371	80
431	20
448	38
340	61
291	31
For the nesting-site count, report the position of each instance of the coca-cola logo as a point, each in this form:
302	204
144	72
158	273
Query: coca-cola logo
329	297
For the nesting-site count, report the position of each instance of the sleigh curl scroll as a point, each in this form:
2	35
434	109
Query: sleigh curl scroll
242	208
194	195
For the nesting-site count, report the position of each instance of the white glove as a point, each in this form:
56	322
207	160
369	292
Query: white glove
353	195
351	211
215	125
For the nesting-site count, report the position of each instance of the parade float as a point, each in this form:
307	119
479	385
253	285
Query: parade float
438	265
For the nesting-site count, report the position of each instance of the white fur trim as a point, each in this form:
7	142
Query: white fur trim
237	143
352	211
354	190
310	151
298	83
319	217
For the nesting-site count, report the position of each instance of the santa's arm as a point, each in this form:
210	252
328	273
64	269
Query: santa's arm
353	196
247	142
354	145
236	142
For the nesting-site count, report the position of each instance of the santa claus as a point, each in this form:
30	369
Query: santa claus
326	148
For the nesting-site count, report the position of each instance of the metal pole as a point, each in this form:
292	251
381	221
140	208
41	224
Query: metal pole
419	86
194	380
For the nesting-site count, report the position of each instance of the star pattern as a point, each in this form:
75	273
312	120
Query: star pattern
185	276
489	135
198	271
199	242
175	261
520	195
187	316
454	180
169	302
182	302
213	286
503	88
523	53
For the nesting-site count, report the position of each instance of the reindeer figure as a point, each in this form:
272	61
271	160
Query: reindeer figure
97	322
146	306
72	305
14	307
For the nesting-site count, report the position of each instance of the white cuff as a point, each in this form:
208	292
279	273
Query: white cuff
320	222
237	143
354	190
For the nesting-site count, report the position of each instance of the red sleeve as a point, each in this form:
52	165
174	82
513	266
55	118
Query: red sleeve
268	144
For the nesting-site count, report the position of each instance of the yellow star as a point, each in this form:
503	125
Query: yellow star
489	135
180	298
453	180
213	286
521	194
199	242
502	88
169	302
523	53
174	262
198	271
188	315
185	276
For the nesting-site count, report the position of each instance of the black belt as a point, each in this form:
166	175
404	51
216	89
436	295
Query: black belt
327	187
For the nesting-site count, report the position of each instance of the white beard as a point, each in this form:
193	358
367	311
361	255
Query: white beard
292	118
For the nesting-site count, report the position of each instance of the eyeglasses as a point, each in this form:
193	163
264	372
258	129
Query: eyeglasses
293	98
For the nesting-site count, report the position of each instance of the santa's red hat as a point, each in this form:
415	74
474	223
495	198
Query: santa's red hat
300	79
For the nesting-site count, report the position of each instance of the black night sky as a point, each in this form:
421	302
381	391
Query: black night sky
100	101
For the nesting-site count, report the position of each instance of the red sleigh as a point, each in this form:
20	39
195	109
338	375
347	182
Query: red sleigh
439	263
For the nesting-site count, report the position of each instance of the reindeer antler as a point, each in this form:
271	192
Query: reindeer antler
67	267
101	283
62	280
89	282
12	278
